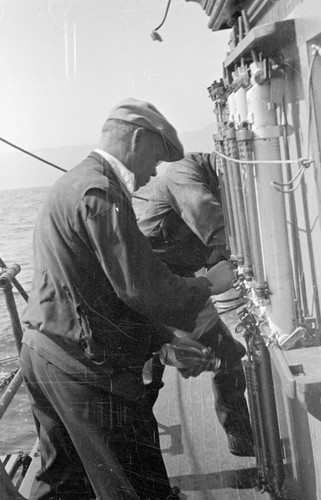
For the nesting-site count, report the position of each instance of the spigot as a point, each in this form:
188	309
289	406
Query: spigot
262	293
287	342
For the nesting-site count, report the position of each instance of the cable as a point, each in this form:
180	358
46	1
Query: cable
298	176
165	15
154	34
51	164
31	154
291	181
289	190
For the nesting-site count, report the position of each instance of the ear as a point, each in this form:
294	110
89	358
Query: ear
137	136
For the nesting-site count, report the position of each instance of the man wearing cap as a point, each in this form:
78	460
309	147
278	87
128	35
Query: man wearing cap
98	300
183	220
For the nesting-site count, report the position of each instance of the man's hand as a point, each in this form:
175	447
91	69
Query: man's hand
189	356
221	276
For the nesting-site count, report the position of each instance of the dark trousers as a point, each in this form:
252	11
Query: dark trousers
228	383
87	432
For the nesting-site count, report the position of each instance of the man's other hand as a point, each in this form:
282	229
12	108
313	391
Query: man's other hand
222	277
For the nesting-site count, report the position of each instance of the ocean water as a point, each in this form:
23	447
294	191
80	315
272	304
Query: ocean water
18	213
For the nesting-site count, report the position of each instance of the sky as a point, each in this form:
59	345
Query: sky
66	63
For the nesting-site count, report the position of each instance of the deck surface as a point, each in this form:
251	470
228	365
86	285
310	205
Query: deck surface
195	446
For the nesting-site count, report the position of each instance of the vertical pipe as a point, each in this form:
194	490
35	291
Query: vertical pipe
14	317
240	28
276	252
226	199
6	279
245	21
232	195
301	298
268	406
245	143
263	406
257	419
239	201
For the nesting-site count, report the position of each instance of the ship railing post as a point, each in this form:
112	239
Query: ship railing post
6	278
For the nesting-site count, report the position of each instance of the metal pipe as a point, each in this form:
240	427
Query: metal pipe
268	405
15	283
245	21
231	188
262	405
311	257
10	392
275	245
244	137
240	28
221	111
240	206
8	274
226	201
256	416
301	296
6	279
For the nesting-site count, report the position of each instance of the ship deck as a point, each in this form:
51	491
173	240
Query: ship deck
195	446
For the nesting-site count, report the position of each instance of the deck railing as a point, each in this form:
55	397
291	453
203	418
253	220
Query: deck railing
7	281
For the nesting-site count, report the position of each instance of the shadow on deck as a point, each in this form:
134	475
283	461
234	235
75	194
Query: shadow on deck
195	447
194	444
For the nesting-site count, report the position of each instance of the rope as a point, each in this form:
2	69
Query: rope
255	162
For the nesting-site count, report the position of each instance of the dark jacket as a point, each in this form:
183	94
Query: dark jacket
97	284
183	218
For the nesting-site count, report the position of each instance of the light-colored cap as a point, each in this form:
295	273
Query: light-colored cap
144	114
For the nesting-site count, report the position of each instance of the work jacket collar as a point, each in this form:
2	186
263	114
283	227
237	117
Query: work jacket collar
126	177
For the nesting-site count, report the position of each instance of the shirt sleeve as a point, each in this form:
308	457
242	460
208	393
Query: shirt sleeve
138	277
192	199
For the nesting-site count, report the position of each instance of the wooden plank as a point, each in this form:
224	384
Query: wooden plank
28	480
10	464
8	491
